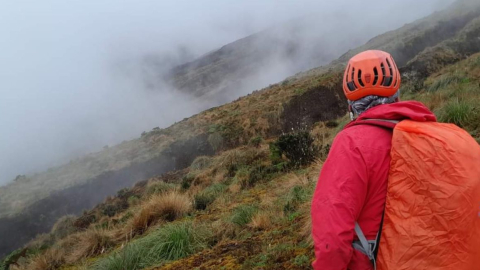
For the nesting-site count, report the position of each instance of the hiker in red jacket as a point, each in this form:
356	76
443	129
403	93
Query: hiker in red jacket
353	181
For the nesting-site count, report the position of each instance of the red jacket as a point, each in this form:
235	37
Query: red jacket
352	187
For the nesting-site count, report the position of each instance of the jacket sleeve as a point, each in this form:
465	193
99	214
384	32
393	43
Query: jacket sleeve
336	205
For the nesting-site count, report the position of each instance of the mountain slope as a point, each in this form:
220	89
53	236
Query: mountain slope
404	43
250	206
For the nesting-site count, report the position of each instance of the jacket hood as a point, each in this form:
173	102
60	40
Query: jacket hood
404	110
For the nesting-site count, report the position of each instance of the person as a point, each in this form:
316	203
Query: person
353	182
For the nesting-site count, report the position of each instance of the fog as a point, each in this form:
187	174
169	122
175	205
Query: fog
72	75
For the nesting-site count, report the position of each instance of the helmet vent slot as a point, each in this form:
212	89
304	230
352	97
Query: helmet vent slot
346	76
388	81
383	73
360	78
351	86
375	71
390	67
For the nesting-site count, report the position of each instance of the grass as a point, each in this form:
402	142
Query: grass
167	207
295	198
201	163
460	113
159	187
52	259
242	215
208	196
63	227
261	221
91	243
262	224
444	82
170	242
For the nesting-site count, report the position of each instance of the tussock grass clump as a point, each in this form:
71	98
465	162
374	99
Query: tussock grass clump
64	226
237	158
297	196
243	214
166	207
159	187
458	112
443	82
171	242
91	243
52	259
41	242
256	141
261	221
208	196
201	163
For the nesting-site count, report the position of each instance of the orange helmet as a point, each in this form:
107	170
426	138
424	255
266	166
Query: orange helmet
371	73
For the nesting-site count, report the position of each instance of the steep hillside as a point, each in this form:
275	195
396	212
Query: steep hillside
405	43
245	204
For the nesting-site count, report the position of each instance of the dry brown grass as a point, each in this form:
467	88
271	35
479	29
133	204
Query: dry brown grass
51	259
64	226
167	207
306	229
40	240
90	243
235	188
223	230
261	221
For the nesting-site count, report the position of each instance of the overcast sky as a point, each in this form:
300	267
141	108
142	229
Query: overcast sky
63	87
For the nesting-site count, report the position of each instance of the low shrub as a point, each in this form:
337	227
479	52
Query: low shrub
298	148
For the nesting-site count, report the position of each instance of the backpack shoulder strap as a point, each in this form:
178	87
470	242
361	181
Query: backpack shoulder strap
370	247
385	123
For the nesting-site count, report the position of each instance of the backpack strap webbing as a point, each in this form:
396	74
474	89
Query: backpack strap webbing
367	247
370	247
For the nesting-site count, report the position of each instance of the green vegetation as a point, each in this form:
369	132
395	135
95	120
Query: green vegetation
208	195
297	147
253	194
457	112
256	141
242	215
171	242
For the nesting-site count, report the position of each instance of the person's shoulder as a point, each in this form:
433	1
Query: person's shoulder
359	136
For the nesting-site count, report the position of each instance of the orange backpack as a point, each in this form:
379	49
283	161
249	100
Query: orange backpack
432	211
